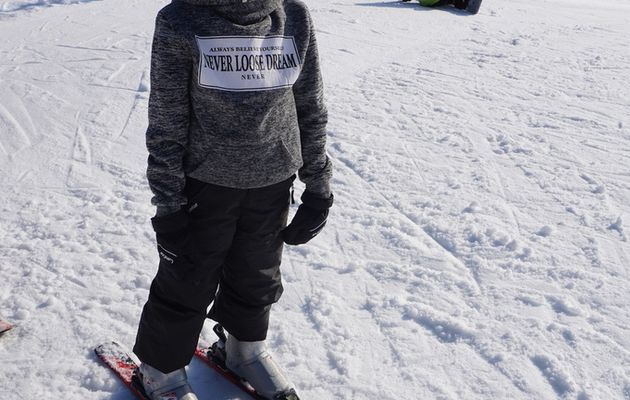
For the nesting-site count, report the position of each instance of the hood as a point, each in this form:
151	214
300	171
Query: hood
242	12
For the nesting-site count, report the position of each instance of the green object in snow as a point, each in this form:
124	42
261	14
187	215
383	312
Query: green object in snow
428	3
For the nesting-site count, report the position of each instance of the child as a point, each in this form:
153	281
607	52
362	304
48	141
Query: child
236	108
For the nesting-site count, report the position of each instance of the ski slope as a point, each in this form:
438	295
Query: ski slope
478	247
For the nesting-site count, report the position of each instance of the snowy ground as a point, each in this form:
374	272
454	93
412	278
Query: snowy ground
478	248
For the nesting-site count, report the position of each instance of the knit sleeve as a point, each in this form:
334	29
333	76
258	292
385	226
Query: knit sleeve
312	119
169	108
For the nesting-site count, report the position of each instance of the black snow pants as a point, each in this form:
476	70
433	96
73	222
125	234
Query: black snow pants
236	250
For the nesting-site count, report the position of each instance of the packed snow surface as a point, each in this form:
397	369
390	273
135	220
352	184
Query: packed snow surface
16	5
478	247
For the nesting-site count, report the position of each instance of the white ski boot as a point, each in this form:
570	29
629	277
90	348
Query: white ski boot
161	386
252	362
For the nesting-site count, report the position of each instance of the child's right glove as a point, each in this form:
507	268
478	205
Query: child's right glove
309	219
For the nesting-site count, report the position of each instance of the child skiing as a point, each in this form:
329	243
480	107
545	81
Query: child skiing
236	108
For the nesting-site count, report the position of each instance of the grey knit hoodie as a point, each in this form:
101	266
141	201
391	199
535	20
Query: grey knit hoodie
236	98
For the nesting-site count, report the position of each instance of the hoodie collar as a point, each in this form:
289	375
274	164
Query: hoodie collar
243	12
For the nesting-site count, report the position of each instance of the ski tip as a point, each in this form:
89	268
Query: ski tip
107	345
5	327
112	348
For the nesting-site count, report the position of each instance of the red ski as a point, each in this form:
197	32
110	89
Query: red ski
118	360
4	327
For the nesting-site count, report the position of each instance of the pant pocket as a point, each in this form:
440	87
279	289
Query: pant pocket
176	255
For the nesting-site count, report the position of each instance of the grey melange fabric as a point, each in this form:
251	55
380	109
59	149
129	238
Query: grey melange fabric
238	134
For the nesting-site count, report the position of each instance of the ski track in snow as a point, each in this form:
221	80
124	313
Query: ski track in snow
477	248
13	6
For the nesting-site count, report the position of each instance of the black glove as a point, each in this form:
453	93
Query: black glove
174	241
309	219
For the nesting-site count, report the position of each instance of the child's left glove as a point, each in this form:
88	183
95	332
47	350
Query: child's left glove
309	219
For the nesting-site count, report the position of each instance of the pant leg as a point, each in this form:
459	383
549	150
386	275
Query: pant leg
251	280
180	294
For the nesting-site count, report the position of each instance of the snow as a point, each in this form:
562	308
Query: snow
17	5
476	249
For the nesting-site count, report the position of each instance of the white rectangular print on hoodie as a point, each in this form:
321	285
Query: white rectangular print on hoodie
247	63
